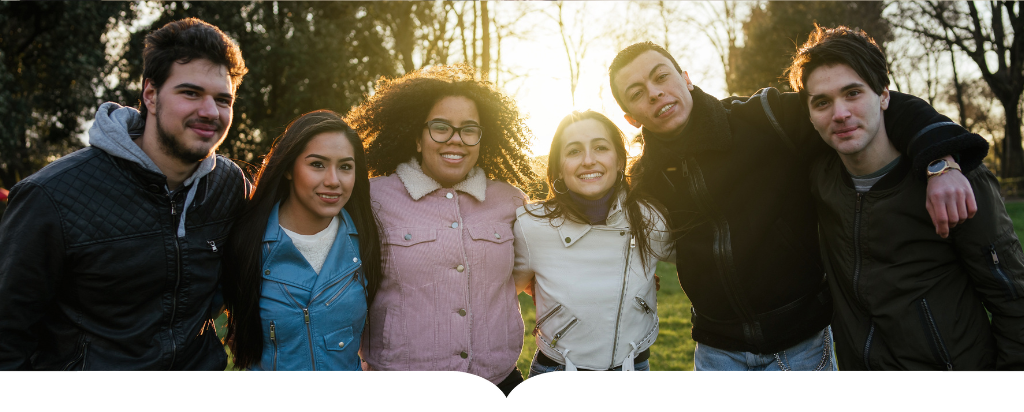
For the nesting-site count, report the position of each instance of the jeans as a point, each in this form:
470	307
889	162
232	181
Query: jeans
537	368
813	354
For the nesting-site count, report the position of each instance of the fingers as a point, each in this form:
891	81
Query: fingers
939	218
972	204
950	201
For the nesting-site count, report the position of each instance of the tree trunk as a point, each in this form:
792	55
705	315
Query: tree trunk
1013	154
485	40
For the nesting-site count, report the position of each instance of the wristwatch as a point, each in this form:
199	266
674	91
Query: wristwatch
941	166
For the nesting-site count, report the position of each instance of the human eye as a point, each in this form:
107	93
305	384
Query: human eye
317	164
661	77
346	166
225	102
190	93
635	94
441	127
854	93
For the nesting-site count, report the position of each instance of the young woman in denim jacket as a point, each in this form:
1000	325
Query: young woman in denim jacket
591	249
304	259
448	149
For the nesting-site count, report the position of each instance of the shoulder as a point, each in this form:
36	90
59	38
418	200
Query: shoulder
382	185
88	157
503	192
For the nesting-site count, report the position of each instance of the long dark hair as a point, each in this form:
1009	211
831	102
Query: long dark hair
243	260
561	205
391	120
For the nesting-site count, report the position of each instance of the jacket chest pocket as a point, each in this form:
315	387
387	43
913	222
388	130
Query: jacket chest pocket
491	253
413	254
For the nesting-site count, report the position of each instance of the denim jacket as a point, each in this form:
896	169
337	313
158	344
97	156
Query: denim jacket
310	321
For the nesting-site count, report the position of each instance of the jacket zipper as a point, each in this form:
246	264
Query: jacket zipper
867	346
305	316
943	354
177	282
273	340
352	276
856	248
622	297
643	304
562	332
536	328
722	243
213	245
996	270
80	357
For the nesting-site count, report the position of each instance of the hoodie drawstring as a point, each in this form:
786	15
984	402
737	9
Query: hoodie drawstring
188	200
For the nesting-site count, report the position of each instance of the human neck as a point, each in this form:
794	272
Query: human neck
173	168
292	217
879	153
597	209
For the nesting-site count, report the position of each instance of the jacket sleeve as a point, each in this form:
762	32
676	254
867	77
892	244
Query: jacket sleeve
990	251
31	264
913	126
522	273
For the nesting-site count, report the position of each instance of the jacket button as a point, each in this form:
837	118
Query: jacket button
497	236
462	312
622	233
448	195
341	344
464	355
266	272
153	188
455	225
356	260
567	240
408	236
460	268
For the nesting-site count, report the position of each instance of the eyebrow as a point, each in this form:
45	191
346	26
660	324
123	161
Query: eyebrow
197	87
344	159
441	119
649	75
853	85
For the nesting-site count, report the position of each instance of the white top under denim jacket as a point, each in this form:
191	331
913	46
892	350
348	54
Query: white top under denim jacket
311	321
596	303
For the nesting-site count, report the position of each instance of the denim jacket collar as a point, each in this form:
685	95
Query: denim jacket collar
277	245
419	184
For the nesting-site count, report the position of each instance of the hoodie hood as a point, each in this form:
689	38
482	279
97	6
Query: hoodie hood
114	131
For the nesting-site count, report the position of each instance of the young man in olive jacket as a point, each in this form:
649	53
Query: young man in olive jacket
733	175
904	298
110	257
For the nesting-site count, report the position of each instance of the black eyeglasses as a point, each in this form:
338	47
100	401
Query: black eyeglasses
442	132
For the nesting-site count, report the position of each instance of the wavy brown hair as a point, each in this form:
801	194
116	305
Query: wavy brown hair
561	205
392	119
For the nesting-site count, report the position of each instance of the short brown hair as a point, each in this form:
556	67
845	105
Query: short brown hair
626	56
181	41
839	45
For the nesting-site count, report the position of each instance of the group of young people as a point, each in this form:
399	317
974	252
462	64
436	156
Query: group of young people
842	204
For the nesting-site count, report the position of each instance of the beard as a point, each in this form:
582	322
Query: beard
173	146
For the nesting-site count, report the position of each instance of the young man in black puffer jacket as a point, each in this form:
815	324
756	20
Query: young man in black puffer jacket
733	175
905	298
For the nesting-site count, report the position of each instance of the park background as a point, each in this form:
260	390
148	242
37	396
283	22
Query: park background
60	60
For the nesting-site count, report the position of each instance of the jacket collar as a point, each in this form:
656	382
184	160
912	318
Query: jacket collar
419	184
573	230
707	129
273	232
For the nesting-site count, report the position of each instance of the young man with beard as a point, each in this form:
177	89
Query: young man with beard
110	257
733	175
905	299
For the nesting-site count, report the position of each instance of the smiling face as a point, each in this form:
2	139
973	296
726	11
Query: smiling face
191	110
589	162
321	183
654	93
448	163
846	112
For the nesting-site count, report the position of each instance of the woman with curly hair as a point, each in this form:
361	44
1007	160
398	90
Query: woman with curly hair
303	261
447	149
591	248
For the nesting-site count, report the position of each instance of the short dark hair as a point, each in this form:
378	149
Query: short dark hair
181	41
839	45
626	56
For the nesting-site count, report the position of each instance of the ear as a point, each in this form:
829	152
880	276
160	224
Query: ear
419	146
884	98
288	175
149	94
632	121
689	84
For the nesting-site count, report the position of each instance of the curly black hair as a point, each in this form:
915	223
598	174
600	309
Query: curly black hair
391	120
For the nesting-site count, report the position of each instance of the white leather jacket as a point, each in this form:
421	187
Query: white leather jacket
596	303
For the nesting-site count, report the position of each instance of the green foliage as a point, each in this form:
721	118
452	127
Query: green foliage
773	33
52	63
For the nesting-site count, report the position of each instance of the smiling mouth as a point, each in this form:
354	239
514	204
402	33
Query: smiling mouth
329	197
664	109
594	175
452	156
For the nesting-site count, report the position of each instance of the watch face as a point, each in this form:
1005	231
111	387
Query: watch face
937	166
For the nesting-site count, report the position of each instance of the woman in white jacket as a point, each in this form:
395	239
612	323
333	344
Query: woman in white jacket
590	250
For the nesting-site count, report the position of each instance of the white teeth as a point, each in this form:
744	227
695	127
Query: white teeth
591	175
329	197
665	109
452	156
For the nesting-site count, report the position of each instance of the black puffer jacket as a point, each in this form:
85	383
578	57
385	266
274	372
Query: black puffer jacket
735	182
904	297
93	276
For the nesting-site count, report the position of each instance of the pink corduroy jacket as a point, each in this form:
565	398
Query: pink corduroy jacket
447	301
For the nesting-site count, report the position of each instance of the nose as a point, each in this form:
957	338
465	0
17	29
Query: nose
656	94
840	112
588	158
331	179
208	108
459	135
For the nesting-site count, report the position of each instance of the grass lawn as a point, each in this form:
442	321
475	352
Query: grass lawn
673	351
